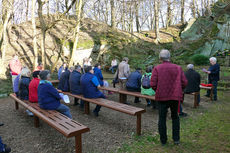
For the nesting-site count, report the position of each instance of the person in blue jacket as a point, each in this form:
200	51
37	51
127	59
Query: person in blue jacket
213	76
63	84
48	96
74	84
62	69
134	83
89	87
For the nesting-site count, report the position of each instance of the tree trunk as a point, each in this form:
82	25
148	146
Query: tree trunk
137	15
113	22
57	6
43	28
169	14
27	10
156	13
193	7
77	29
6	17
182	11
34	35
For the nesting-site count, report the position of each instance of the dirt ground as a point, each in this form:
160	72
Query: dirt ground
107	132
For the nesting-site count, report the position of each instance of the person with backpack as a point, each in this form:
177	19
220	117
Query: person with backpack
145	86
134	83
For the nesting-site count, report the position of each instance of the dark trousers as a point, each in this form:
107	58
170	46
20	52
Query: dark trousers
98	107
214	83
81	102
163	109
134	90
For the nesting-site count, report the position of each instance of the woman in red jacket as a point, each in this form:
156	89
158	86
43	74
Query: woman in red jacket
33	87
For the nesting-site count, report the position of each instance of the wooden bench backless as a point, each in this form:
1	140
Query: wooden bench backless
63	124
131	110
208	88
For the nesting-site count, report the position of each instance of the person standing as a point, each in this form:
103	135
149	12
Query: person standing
62	69
63	84
168	80
123	72
213	77
15	67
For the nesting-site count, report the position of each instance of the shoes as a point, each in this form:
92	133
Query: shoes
182	114
207	95
127	103
137	101
1	124
148	104
95	113
29	113
176	142
6	149
76	103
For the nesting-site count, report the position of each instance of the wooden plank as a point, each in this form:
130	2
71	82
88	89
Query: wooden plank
131	110
60	122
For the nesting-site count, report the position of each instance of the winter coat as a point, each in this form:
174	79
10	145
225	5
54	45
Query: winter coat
89	90
134	80
168	81
48	97
24	88
33	90
64	81
74	82
215	73
98	74
193	78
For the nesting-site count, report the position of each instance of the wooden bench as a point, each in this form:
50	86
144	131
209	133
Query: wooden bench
123	94
208	88
195	94
127	109
63	124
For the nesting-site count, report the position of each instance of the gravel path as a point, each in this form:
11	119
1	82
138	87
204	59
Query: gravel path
107	132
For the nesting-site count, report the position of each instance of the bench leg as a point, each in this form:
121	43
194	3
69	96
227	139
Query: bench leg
86	107
36	121
16	105
122	98
195	100
78	147
211	94
138	129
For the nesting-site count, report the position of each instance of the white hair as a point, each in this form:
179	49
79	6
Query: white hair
164	55
213	59
190	66
25	72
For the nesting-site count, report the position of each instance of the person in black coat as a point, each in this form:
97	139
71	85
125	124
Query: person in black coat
193	78
134	83
24	84
63	84
74	83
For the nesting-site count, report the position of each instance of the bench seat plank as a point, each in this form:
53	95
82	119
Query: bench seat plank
55	119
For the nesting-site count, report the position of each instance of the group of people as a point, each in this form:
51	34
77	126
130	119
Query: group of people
166	81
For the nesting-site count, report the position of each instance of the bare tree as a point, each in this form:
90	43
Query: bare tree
113	22
169	14
77	29
156	13
182	11
137	15
34	35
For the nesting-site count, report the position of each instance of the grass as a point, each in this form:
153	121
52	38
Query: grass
206	130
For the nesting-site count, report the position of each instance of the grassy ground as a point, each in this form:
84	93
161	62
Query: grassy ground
204	131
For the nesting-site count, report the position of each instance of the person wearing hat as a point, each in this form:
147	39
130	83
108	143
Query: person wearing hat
48	96
168	80
33	87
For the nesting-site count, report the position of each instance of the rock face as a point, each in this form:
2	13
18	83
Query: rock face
207	35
